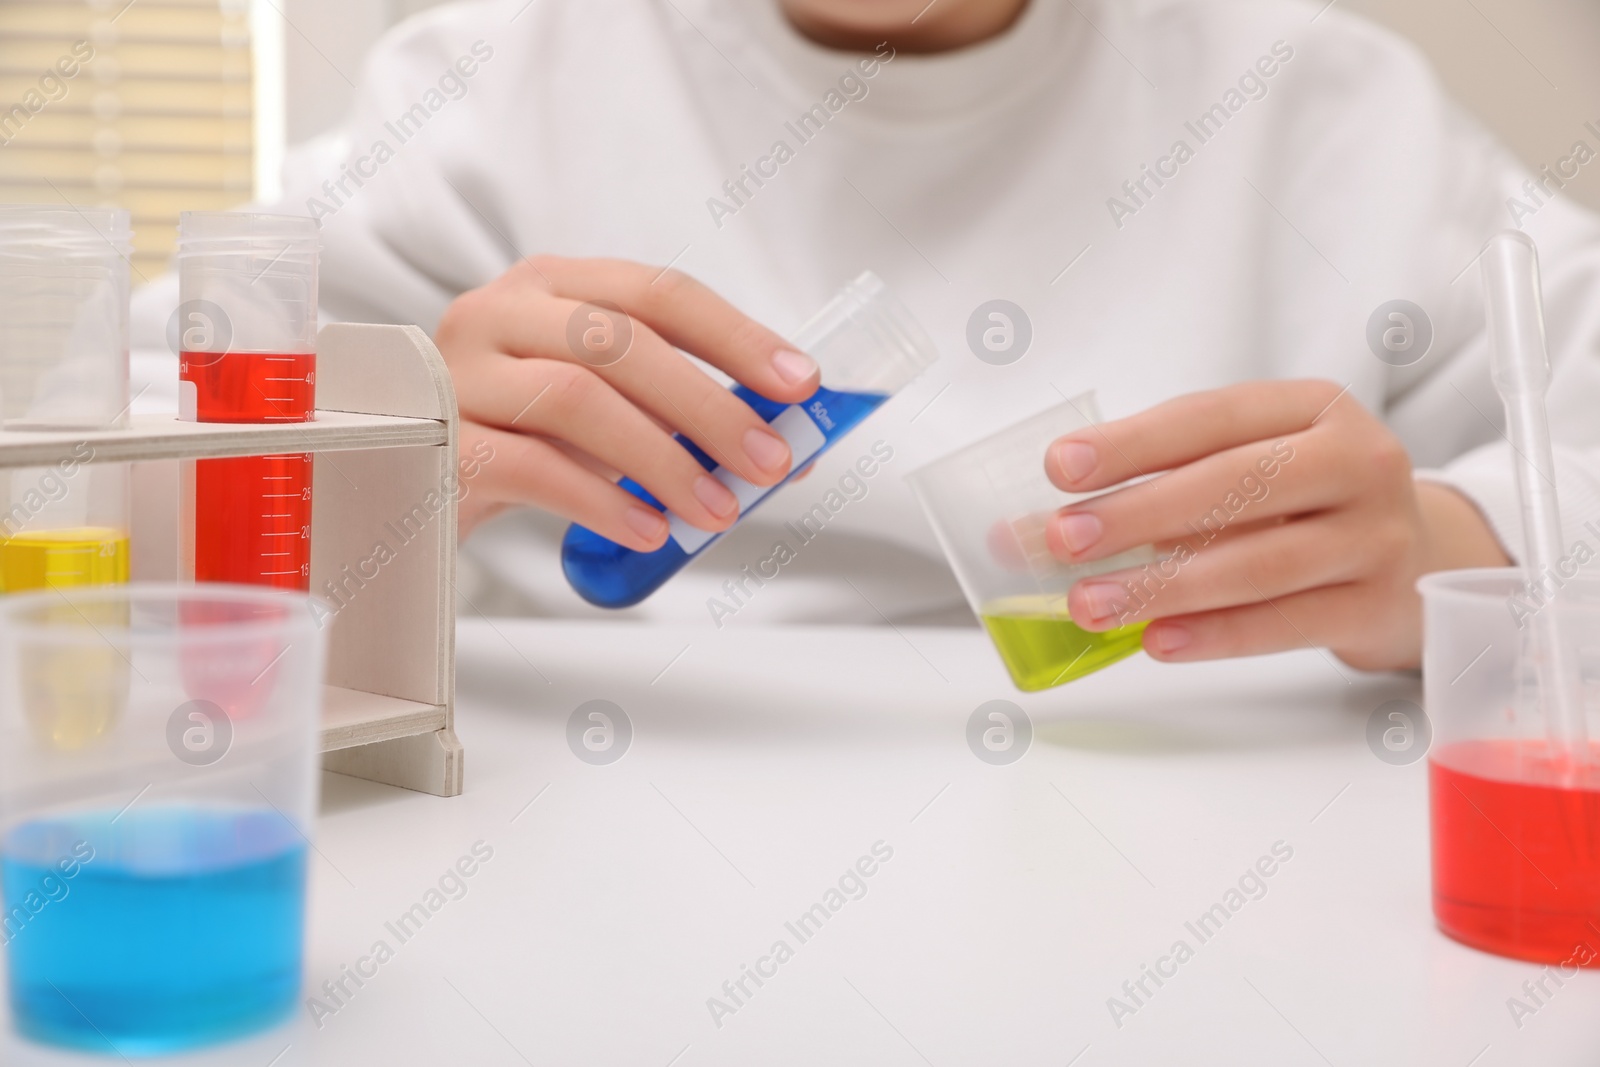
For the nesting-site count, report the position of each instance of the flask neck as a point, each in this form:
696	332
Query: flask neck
865	340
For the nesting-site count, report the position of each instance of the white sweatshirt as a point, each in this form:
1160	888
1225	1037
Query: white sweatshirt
1180	194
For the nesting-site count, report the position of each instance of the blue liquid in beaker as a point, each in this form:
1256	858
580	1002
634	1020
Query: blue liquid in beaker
184	928
612	576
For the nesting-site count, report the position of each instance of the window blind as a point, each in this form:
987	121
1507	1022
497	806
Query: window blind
144	105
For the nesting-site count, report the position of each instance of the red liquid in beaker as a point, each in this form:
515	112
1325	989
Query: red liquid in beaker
1516	849
253	513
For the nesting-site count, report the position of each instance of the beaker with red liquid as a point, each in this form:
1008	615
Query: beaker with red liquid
1515	813
247	323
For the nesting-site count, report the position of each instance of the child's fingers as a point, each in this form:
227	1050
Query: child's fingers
1318	618
1273	562
1210	494
514	324
528	471
1185	429
569	403
692	317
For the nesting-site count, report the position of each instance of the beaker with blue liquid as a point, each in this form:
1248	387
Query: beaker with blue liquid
153	878
868	347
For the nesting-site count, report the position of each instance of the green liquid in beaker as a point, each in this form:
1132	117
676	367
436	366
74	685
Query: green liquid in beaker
1042	647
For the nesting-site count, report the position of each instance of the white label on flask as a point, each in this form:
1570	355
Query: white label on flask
188	401
805	441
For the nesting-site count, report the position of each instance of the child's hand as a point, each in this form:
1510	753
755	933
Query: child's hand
1287	516
568	401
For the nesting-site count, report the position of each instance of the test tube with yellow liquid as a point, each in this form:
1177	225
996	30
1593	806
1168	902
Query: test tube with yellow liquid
989	504
64	526
64	366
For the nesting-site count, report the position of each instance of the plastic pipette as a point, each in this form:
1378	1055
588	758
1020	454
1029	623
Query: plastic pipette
1520	366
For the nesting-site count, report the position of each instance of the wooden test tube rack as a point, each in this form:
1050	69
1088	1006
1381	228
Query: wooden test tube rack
385	474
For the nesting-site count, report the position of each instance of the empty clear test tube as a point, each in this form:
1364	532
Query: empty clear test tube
247	329
868	347
63	366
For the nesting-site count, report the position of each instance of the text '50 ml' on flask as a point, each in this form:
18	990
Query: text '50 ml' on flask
868	347
63	366
247	327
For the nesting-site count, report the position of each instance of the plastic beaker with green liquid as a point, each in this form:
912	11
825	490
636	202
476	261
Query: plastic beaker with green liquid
989	504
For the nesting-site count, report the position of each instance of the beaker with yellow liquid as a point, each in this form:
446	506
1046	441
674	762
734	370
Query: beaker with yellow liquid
989	504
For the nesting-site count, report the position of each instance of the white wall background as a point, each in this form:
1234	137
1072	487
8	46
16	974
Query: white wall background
1526	67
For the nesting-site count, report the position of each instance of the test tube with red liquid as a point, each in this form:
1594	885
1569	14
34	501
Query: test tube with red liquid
247	340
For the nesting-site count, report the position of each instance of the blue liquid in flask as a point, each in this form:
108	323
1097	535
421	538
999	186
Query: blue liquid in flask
185	928
613	576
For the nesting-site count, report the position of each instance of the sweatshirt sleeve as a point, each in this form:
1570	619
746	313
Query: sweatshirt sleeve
1568	239
1400	188
1435	186
407	222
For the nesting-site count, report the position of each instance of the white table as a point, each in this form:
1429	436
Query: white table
1018	899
